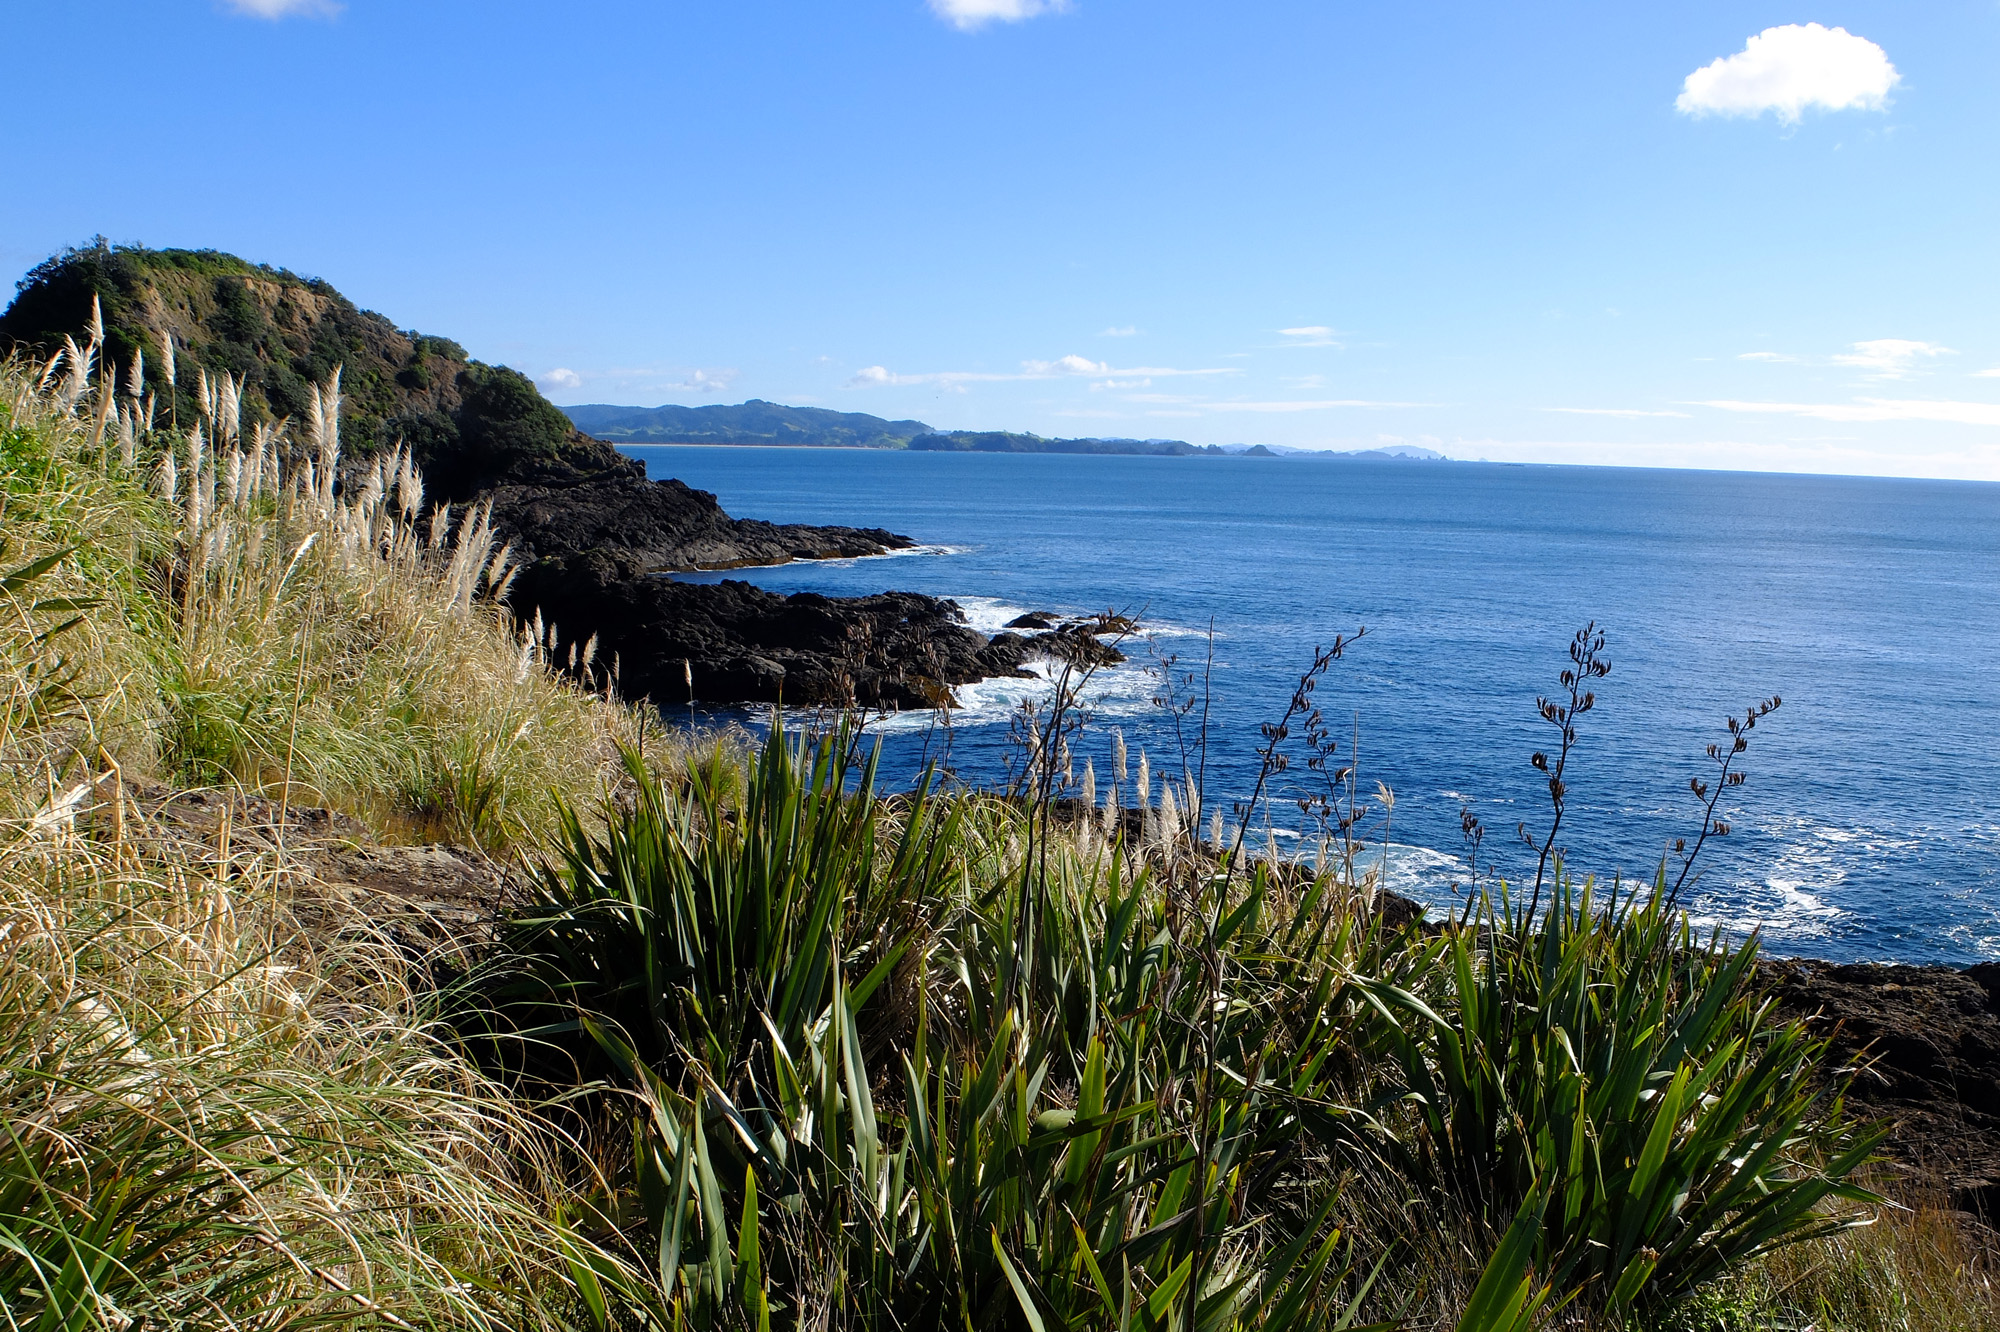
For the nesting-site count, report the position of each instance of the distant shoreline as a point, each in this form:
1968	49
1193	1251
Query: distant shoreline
1255	451
760	424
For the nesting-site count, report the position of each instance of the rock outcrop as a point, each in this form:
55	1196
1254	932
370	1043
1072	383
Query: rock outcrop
593	534
1926	1041
740	643
663	525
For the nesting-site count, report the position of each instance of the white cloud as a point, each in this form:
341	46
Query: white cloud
706	381
1774	357
968	15
1063	367
277	9
1790	70
1875	409
1311	335
1611	411
1128	331
1994	373
1891	358
561	378
1313	406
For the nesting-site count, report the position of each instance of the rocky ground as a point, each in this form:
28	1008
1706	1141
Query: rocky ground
1927	1043
731	642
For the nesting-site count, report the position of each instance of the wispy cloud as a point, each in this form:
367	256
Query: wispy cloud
1790	70
1127	331
1881	358
1994	373
1309	335
968	15
1063	367
641	379
1891	358
1314	405
1611	411
706	381
1875	409
278	9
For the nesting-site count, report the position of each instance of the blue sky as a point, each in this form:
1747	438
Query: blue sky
1508	232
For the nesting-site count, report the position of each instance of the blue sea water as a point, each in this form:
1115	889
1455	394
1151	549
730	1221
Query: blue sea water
1869	826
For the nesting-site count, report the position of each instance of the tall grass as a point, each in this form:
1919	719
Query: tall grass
213	1118
272	615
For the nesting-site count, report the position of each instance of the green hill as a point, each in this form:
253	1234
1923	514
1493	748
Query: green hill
753	422
469	424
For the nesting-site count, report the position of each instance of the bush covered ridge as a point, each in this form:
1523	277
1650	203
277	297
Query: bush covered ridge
753	1045
468	425
752	422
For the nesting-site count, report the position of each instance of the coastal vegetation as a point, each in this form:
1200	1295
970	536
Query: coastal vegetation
738	1040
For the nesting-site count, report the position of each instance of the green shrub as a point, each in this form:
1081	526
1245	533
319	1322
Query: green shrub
868	1092
1603	1055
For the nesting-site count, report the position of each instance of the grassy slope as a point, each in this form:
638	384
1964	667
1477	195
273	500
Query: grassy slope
215	1118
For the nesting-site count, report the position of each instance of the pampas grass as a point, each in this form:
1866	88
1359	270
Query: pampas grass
214	1117
282	617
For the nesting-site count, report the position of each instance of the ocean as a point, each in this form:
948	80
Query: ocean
1868	827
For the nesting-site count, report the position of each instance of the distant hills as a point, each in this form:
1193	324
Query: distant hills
771	424
753	422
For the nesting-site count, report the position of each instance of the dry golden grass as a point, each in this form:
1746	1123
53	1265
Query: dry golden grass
214	1118
255	626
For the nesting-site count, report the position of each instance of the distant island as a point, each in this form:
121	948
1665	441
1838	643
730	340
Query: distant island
774	425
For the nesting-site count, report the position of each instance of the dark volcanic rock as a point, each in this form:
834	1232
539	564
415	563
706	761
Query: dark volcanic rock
1077	643
1928	1041
664	525
746	644
1033	620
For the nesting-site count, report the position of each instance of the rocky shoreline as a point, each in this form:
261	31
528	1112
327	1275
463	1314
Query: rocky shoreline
597	552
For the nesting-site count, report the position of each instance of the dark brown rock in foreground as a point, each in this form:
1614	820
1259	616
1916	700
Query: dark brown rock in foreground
1927	1040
